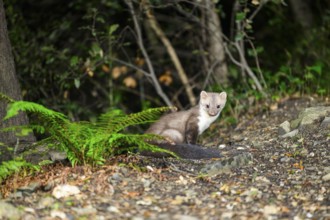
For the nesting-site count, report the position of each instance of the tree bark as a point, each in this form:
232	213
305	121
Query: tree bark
302	13
216	50
9	86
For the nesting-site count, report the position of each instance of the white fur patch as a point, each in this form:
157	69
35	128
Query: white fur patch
205	120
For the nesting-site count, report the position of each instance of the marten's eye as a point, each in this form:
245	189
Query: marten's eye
218	106
207	106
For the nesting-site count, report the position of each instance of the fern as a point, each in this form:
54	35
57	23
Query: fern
8	168
6	98
86	142
118	121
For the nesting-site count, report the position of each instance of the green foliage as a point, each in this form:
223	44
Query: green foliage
86	142
8	168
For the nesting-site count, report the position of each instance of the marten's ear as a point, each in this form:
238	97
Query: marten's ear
203	95
223	95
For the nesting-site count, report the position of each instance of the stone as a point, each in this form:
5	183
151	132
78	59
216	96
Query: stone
8	211
56	214
88	210
57	155
45	202
291	134
309	115
32	187
184	217
326	177
284	128
61	191
326	122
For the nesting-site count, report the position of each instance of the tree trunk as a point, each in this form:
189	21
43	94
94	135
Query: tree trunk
215	48
302	13
9	86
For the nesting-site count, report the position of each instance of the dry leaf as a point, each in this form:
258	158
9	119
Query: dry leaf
105	68
299	165
116	72
132	194
130	82
123	69
225	188
66	94
89	72
255	2
166	78
139	61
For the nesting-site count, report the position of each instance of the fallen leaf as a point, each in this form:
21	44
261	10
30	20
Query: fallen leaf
116	72
89	72
130	82
139	61
105	68
166	78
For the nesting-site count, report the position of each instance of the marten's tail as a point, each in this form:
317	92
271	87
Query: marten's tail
187	151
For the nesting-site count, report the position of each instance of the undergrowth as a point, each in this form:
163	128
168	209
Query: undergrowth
84	142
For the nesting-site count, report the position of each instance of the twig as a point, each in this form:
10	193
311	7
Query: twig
216	62
248	69
257	63
152	74
170	50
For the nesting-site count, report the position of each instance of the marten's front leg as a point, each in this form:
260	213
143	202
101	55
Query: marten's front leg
191	132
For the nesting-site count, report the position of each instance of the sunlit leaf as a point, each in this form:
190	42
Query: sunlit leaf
113	28
77	83
130	82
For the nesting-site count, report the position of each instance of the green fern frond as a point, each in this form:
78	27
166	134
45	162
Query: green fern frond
119	122
41	111
6	98
86	142
135	142
8	168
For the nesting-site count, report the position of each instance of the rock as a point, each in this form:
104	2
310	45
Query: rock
57	155
291	134
32	187
28	217
45	202
286	159
326	177
65	191
8	211
115	178
113	209
224	166
184	217
56	214
284	128
222	146
16	195
270	210
252	194
88	210
263	179
309	115
326	122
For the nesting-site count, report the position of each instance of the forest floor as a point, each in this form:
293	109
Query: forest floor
280	178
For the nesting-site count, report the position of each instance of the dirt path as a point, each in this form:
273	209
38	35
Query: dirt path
281	178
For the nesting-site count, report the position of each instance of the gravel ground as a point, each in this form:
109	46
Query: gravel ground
261	176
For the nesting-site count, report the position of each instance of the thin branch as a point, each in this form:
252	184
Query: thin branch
248	69
146	56
216	62
257	63
132	66
170	50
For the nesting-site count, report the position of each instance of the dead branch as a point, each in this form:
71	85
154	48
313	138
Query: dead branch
159	32
151	74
